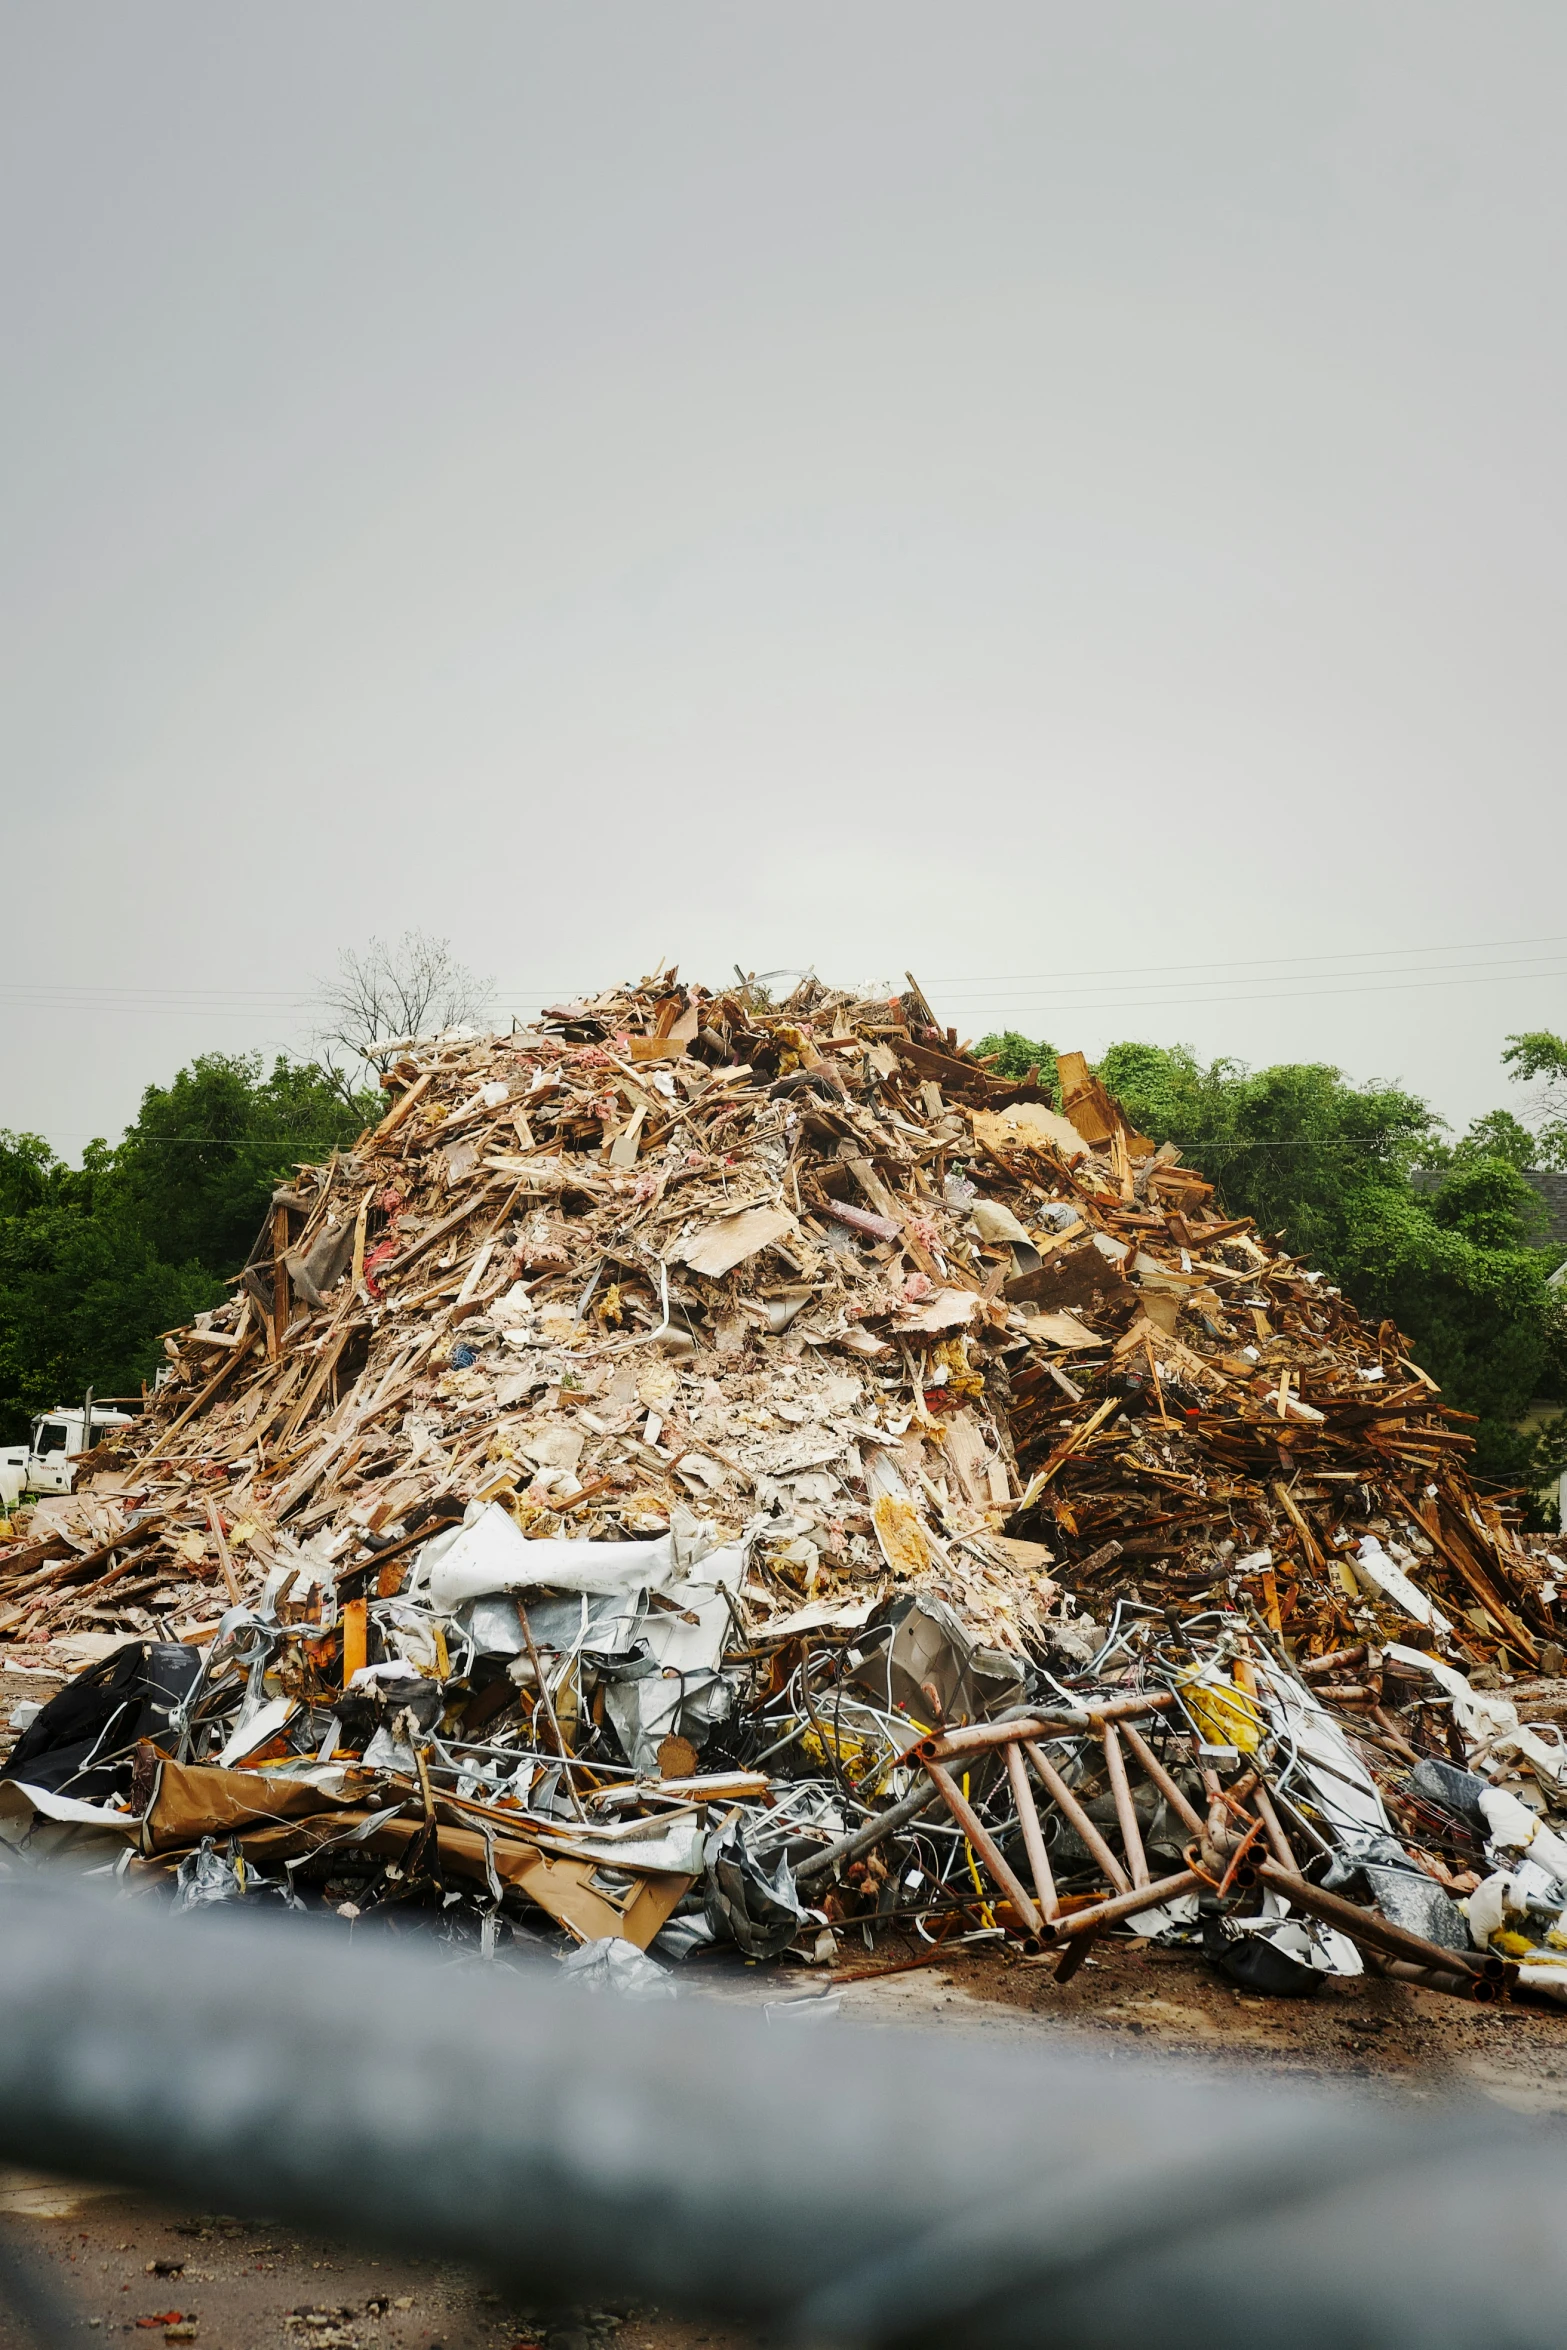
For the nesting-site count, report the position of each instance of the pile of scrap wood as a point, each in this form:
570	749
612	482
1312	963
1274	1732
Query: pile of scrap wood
605	1476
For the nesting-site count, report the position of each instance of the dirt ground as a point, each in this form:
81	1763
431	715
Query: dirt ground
129	2265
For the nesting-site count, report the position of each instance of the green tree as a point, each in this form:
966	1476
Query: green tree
1012	1055
1498	1135
1330	1165
1487	1200
30	1174
1539	1056
97	1260
82	1299
1457	1269
1296	1146
207	1150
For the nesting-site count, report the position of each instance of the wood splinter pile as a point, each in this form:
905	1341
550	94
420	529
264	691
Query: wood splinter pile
809	1273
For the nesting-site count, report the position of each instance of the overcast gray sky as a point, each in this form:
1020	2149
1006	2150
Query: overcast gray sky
1065	499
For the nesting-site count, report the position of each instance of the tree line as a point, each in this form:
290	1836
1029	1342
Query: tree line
97	1262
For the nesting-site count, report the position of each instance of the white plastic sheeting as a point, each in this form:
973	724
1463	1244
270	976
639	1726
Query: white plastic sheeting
670	1602
474	1561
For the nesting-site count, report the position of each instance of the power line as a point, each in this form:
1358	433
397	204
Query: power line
145	996
1255	962
1283	984
1065	999
1255	995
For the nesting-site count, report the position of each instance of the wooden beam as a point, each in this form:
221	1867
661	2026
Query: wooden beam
281	1294
224	1372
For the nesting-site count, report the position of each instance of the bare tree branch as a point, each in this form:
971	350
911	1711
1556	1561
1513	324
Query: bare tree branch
1538	1056
379	996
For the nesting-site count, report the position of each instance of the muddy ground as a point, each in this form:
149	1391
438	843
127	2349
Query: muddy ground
137	2269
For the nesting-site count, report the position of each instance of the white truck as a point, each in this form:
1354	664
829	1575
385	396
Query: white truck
48	1463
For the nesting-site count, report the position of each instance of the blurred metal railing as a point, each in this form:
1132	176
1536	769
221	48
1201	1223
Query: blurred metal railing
835	2184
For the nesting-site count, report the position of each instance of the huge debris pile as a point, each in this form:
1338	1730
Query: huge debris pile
612	1482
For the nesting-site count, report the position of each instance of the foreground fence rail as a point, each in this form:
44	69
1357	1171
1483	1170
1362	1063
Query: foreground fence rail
830	2185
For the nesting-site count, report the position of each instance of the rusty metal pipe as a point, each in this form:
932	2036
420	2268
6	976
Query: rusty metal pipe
1123	1905
1278	1843
1156	1773
1138	1701
1315	1666
1362	1926
1125	1809
985	1734
875	1831
947	1745
1033	1835
1073	1813
1223	1831
1426	1978
984	1844
1219	1826
1072	1957
1239	1871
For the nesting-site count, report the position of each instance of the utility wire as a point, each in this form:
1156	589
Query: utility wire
110	995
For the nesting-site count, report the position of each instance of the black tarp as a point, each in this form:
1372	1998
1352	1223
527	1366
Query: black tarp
82	1742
